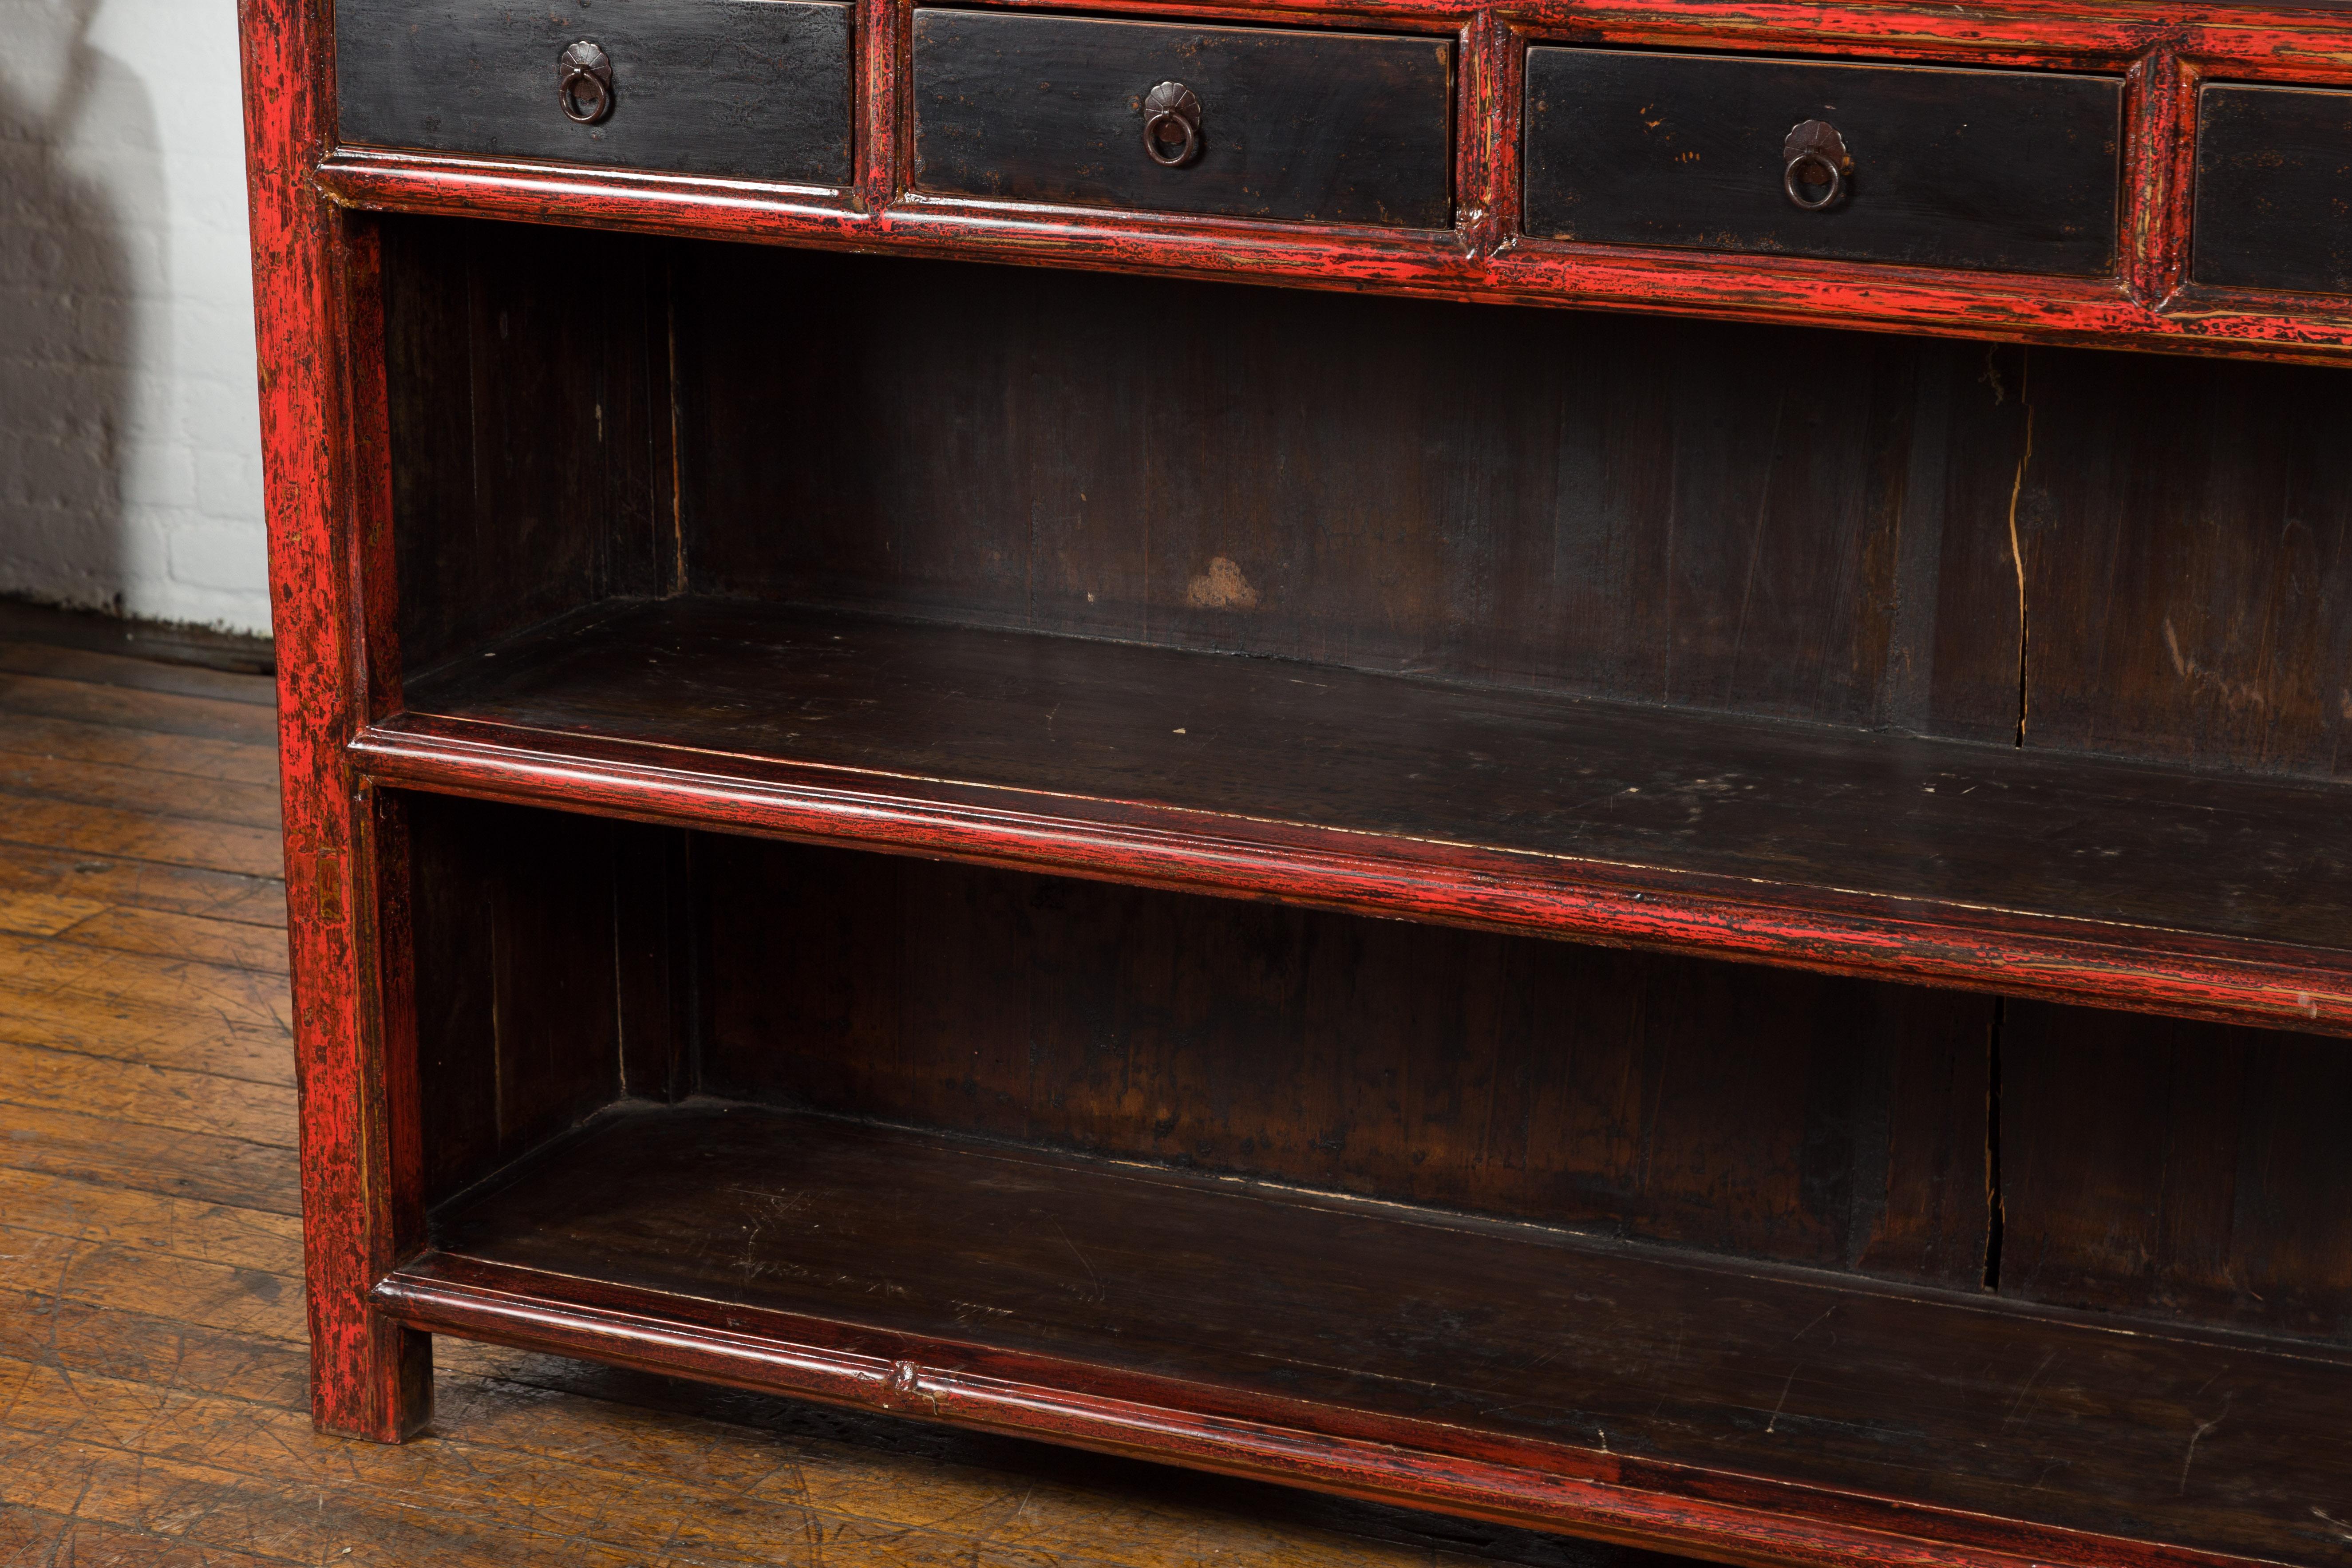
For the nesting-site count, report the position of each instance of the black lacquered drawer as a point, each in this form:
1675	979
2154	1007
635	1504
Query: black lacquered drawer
2274	197
1258	122
2010	171
752	88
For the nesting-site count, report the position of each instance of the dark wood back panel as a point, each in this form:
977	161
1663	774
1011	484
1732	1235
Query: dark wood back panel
515	981
1687	514
2107	1160
1791	522
2187	534
2158	1167
527	373
553	975
1744	1109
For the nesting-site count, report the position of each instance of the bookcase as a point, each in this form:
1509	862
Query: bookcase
1578	762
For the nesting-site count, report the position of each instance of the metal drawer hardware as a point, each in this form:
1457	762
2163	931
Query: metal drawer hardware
1168	110
1817	165
583	83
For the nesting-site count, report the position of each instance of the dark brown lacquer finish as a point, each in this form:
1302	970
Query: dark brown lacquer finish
2274	187
1680	829
1327	127
1506	1076
1549	1374
2176	1170
2008	171
753	88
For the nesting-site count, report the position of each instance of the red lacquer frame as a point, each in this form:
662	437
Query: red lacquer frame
2164	52
330	517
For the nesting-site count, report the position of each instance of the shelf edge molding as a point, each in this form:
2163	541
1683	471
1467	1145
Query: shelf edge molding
1721	1516
2098	312
2049	957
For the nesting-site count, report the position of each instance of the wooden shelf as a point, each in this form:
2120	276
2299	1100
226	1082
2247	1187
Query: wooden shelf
2192	893
1745	1411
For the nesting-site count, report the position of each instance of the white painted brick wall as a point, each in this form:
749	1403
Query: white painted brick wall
130	466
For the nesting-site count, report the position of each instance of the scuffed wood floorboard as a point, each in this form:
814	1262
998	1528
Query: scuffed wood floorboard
152	1371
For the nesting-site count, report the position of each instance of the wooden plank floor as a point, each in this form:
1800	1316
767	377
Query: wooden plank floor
151	1362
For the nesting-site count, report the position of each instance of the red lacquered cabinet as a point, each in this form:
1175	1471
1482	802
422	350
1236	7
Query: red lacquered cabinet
1573	762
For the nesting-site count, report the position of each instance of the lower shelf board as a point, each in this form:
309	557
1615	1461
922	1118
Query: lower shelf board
1748	1413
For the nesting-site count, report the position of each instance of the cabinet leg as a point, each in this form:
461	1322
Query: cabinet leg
370	1377
362	1198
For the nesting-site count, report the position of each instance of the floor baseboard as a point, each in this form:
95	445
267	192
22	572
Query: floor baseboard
163	641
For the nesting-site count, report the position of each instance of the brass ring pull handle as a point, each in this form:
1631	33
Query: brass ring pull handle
1171	124
1816	167
583	83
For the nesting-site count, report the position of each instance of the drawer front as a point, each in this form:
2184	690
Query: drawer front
752	88
2273	200
2008	171
1307	126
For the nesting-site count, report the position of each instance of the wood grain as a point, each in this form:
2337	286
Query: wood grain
197	1103
158	933
506	1061
566	479
972	1280
1538	1080
139	789
121	706
95	668
155	1376
128	1006
2176	1168
1662	512
109	832
2185	592
521	407
112	745
1333	786
89	884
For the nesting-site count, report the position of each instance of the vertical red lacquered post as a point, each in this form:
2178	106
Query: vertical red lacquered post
1503	51
1472	164
2156	156
880	25
369	1377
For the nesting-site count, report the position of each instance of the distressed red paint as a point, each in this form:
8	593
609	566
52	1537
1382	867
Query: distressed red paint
368	1375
